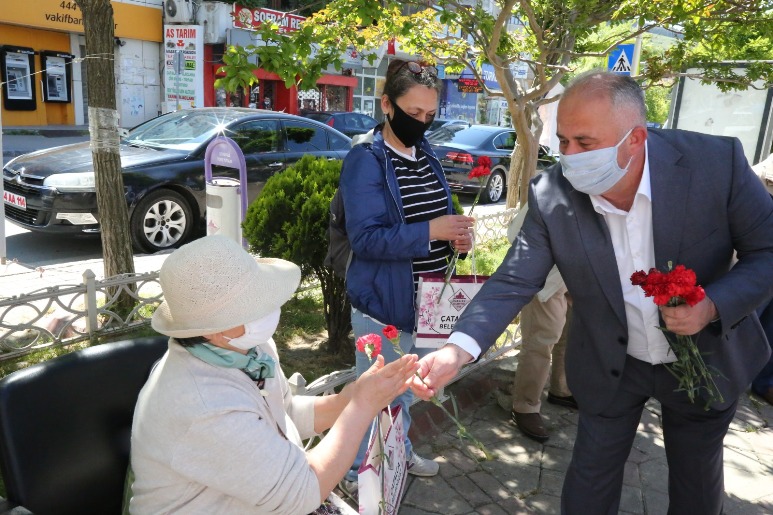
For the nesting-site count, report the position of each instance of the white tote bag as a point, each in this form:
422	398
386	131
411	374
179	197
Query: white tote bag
381	477
436	316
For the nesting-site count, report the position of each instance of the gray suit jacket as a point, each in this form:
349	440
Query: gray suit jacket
706	203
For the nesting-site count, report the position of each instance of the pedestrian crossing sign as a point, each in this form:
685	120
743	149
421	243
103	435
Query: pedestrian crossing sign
621	59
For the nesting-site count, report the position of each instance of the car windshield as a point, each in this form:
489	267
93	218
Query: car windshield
181	130
459	135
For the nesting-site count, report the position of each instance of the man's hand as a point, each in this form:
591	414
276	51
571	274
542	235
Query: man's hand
688	320
437	369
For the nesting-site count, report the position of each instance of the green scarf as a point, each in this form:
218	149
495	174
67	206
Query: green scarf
257	366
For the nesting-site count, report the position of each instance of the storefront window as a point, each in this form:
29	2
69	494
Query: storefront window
358	88
369	85
335	98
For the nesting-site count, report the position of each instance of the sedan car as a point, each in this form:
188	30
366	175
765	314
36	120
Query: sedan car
350	124
53	190
439	123
458	150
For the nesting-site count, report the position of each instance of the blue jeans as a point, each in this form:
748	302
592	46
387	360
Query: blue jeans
362	325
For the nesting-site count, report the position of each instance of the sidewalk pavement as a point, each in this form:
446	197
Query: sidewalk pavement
17	279
527	476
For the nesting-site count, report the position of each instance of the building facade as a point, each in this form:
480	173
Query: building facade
44	62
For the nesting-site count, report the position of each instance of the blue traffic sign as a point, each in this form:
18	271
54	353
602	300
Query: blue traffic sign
621	59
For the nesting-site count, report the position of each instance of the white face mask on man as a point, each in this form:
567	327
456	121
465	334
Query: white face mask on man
596	171
256	332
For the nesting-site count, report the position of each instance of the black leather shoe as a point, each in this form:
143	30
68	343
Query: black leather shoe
568	401
531	425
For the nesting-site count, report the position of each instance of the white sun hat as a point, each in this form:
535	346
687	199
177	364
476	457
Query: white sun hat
213	284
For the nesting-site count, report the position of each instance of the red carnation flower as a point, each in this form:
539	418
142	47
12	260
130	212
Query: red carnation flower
370	344
391	333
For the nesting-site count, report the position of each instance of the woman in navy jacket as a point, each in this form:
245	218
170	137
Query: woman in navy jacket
400	223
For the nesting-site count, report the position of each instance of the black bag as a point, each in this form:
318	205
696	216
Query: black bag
339	251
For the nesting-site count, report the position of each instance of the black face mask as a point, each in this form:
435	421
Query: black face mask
408	129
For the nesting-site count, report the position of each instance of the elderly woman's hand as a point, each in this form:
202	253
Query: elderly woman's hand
380	384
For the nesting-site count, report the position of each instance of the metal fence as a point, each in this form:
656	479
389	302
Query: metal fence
63	315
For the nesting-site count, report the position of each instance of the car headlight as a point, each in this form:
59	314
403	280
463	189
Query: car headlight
83	181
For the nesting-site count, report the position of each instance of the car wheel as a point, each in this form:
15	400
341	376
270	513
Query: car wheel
161	220
495	187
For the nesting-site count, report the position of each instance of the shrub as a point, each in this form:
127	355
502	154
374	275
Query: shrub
289	220
488	256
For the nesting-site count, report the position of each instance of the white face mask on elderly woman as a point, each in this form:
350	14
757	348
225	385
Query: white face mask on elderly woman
256	332
596	171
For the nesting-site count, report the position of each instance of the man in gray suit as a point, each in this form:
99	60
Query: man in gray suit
624	199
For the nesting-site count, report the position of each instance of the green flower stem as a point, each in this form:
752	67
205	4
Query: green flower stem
691	371
455	257
461	430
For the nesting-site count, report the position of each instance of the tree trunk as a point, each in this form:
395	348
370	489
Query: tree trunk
98	26
338	311
523	165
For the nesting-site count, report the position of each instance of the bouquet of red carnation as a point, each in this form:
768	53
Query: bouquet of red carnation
675	287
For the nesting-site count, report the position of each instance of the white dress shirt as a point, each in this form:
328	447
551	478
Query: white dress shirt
633	243
632	239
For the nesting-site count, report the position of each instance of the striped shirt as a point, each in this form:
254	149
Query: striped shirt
424	199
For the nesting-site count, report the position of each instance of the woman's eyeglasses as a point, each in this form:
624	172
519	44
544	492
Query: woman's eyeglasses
417	68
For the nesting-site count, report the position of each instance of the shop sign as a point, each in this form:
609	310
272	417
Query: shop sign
251	19
469	85
184	63
131	21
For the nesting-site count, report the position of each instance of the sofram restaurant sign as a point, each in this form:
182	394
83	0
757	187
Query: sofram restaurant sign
251	19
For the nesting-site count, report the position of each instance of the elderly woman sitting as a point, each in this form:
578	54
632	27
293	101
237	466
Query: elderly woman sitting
216	429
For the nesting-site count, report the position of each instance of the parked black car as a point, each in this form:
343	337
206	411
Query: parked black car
459	149
53	190
350	124
439	123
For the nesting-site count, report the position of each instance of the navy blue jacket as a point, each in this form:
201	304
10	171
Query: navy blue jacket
379	280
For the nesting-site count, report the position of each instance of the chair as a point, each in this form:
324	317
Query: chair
65	427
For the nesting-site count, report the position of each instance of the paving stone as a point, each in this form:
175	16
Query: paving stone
735	506
410	510
746	417
551	482
654	475
631	475
554	458
471	491
435	495
517	480
459	460
544	504
655	503
490	509
650	423
631	500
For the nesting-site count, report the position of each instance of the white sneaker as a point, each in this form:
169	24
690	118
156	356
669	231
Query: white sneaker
423	467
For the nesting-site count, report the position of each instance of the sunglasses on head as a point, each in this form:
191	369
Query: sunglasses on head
417	68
